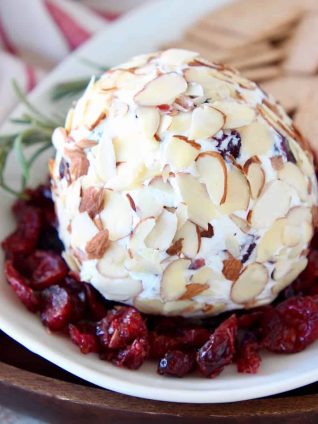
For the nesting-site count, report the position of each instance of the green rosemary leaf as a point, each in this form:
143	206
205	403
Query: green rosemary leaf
69	89
18	149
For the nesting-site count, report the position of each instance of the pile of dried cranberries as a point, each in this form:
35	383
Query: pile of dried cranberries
41	279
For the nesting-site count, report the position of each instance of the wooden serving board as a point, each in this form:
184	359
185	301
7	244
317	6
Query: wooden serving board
32	385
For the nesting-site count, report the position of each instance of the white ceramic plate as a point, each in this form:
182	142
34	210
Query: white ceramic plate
140	31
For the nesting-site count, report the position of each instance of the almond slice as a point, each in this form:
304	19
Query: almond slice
148	201
111	265
180	123
213	88
299	228
128	176
250	283
203	276
200	208
105	159
213	174
256	139
180	153
83	230
194	289
175	248
116	215
289	276
238	192
120	289
232	268
191	239
139	235
291	174
92	201
241	223
163	232
173	282
148	119
177	57
162	191
97	246
161	90
148	306
255	175
206	122
237	114
177	307
273	203
271	241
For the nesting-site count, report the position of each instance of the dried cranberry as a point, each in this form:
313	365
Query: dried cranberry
84	337
197	263
229	142
76	290
95	303
176	363
121	326
48	268
194	337
219	350
19	284
291	326
248	359
248	251
284	149
25	238
307	281
57	307
160	344
49	240
134	355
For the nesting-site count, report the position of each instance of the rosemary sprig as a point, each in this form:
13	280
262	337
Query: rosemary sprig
69	89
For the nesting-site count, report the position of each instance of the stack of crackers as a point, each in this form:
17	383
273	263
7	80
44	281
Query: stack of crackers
273	42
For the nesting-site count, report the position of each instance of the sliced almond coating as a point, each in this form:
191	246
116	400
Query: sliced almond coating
250	283
148	119
177	307
200	208
206	122
194	289
237	115
271	241
162	191
303	159
83	230
241	223
180	153
256	139
273	203
139	234
289	276
97	246
162	234
182	214
291	174
232	268
147	202
92	201
148	306
213	174
238	192
314	211
213	88
105	159
180	123
202	276
175	248
116	215
191	239
128	176
174	279
177	57
255	176
299	227
121	289
161	90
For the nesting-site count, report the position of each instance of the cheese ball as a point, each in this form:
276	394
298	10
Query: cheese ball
181	188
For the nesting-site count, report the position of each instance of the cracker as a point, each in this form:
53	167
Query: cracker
291	90
262	73
306	121
303	50
267	57
253	19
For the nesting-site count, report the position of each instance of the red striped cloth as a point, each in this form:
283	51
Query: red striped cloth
36	35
